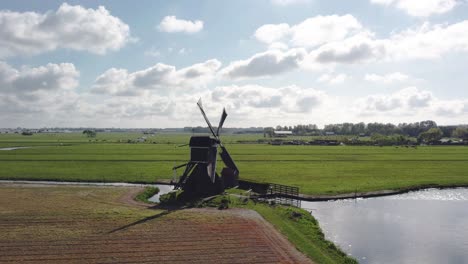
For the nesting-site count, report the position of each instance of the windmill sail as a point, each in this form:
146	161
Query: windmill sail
221	121
228	160
199	103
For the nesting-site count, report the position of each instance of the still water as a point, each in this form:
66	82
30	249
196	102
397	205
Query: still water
429	226
163	189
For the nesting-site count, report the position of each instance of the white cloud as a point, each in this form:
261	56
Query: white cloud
267	63
70	27
332	79
386	78
171	24
419	43
404	101
50	77
44	89
289	2
428	42
420	8
270	33
277	46
134	107
356	49
335	39
251	98
451	108
161	77
310	32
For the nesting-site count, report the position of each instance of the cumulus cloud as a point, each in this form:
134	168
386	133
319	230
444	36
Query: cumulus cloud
290	99
386	78
44	89
267	63
420	8
403	101
356	49
418	43
171	24
133	107
70	27
428	41
50	77
271	33
160	77
310	32
334	39
332	79
452	108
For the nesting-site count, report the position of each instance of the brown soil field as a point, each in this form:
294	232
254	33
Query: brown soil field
73	224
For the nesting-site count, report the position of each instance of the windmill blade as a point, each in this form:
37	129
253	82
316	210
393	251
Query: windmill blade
221	121
199	103
228	160
211	168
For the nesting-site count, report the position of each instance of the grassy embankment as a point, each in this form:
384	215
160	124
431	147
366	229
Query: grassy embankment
296	224
315	169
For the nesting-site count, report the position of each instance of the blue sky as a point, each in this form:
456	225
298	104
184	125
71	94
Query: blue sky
270	62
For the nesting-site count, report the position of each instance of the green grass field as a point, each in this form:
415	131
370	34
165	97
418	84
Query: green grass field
315	169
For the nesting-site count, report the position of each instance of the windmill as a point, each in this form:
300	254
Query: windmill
200	177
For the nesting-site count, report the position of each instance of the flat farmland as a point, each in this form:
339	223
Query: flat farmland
104	225
315	169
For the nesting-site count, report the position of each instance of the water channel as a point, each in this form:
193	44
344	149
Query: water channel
163	188
13	148
428	226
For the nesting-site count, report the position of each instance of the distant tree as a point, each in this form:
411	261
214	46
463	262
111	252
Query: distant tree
431	135
448	130
268	131
89	133
461	132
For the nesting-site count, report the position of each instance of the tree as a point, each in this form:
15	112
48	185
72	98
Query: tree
89	133
431	135
268	131
461	132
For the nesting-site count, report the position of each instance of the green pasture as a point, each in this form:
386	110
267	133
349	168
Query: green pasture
315	169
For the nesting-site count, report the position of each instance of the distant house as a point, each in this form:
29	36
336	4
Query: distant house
329	133
141	140
279	133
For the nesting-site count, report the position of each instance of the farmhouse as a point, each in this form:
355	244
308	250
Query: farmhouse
281	133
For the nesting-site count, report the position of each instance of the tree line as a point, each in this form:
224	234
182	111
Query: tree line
424	131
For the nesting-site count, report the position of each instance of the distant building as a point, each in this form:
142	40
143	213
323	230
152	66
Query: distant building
282	133
141	140
329	133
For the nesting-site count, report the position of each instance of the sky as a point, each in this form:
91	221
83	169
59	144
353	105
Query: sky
145	64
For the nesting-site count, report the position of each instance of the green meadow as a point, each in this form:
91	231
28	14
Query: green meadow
315	169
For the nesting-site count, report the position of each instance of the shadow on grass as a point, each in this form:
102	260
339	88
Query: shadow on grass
169	210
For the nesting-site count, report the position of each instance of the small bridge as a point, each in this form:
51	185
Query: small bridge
279	193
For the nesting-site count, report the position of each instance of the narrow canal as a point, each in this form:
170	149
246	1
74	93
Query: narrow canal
429	226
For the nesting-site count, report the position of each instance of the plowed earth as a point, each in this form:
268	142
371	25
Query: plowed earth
43	224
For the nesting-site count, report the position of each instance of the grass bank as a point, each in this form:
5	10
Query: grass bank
297	225
146	194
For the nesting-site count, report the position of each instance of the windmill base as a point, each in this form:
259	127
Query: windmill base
199	184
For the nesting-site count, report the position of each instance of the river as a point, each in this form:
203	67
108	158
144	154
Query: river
428	226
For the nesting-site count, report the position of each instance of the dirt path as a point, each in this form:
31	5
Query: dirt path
101	225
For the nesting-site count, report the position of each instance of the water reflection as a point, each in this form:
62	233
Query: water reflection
163	189
428	226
